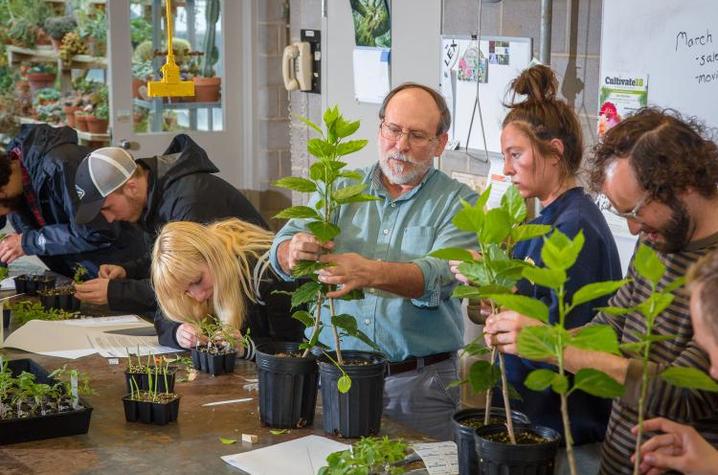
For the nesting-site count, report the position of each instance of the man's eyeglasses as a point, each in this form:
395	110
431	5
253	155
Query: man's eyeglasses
415	137
605	205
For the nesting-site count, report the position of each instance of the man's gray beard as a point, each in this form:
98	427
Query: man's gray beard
415	171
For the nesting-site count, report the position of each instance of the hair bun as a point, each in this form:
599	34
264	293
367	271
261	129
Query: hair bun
538	83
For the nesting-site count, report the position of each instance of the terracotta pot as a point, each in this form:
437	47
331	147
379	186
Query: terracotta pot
70	114
81	121
97	126
40	80
206	89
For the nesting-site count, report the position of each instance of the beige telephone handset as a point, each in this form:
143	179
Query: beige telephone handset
297	67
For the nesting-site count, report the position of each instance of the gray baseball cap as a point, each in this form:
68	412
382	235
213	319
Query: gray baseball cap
101	172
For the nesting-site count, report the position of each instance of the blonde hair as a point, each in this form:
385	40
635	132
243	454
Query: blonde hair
227	248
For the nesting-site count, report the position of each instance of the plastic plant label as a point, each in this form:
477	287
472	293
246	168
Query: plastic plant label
73	389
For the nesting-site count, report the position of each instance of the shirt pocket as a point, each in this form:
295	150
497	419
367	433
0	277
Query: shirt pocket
416	242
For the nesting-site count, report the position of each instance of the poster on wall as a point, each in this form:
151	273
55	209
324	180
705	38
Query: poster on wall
620	95
372	23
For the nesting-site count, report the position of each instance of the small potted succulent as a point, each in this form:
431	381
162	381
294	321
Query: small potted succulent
152	406
41	76
58	27
207	85
98	121
216	355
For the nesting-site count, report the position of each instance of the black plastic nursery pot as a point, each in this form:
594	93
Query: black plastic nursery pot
6	312
287	386
356	413
466	421
498	458
158	413
31	284
213	364
142	381
66	302
76	421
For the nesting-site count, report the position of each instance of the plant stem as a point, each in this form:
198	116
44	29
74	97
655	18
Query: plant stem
337	343
507	404
560	346
567	432
317	322
490	391
641	399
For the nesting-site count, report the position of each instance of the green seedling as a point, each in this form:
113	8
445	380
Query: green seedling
548	340
369	455
26	311
80	274
335	187
493	271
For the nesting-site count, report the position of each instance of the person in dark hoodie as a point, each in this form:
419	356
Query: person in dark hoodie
37	195
180	185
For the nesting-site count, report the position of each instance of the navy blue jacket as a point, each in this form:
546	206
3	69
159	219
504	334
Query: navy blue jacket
598	261
51	156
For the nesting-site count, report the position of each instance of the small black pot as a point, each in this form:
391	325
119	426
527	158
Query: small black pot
31	284
287	386
464	434
142	381
356	413
6	317
66	302
151	412
496	458
213	364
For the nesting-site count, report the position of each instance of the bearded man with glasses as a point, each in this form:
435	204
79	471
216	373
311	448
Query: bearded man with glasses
407	307
660	172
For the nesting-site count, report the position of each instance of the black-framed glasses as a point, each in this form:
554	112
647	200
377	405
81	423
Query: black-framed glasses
605	205
416	138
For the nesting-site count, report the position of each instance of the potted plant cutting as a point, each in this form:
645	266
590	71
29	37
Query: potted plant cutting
215	351
370	456
30	283
351	410
152	406
137	373
64	297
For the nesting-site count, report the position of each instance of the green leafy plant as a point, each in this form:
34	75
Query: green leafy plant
58	27
370	455
324	176
494	271
80	274
73	382
548	341
26	311
46	68
220	338
140	30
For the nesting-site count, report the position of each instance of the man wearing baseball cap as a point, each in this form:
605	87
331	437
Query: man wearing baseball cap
37	196
180	185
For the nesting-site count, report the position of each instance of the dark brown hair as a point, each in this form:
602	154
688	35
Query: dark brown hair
444	114
543	117
704	273
668	153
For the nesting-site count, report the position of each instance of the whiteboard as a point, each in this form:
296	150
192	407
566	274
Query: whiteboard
501	59
674	42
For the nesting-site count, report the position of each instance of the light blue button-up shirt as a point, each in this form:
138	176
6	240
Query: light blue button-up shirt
405	229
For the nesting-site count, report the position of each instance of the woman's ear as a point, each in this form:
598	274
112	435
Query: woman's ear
557	145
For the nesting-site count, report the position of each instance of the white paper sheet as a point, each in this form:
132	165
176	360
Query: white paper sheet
440	458
115	320
303	456
371	74
118	346
51	339
7	284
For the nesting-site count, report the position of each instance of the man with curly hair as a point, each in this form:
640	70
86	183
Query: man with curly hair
660	173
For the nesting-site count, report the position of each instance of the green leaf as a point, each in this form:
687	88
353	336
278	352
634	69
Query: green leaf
560	252
655	304
482	376
469	219
227	441
495	289
465	291
648	265
323	171
596	338
559	384
511	270
330	116
309	124
348	191
658	338
306	293
537	343
324	231
360	198
634	347
476	272
320	148
298	212
483	199
352	174
539	379
513	203
278	431
524	305
596	383
590	292
477	348
677	283
344	384
308	268
305	317
497	226
525	232
345	148
453	254
345	128
296	183
551	278
689	378
348	323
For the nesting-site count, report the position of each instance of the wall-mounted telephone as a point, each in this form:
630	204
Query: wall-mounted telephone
297	67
